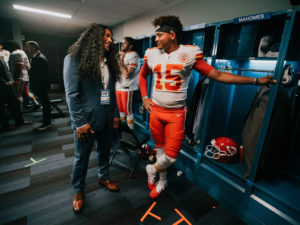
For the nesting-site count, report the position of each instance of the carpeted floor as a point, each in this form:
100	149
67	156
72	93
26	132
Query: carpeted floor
35	185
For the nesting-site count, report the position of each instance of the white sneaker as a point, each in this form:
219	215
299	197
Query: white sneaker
151	176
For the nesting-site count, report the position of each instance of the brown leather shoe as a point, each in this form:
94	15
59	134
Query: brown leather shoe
78	203
110	185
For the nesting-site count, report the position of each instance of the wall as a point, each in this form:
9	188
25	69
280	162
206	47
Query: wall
10	30
198	11
54	48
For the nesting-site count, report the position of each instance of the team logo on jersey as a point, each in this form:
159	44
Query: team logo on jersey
183	57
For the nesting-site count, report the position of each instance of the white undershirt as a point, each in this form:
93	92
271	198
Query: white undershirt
104	73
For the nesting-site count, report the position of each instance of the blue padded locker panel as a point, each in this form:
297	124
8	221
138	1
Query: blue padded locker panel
229	40
247	40
198	38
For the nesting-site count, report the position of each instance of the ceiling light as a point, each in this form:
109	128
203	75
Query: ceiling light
29	9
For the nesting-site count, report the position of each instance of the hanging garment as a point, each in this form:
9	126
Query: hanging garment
195	111
191	111
253	124
279	153
275	151
199	113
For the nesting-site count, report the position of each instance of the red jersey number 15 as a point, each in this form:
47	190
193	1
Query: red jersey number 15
172	82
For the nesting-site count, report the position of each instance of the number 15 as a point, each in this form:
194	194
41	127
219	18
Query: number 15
169	77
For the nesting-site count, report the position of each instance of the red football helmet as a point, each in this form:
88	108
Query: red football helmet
222	149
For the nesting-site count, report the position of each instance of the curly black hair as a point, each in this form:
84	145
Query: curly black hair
89	48
131	41
172	21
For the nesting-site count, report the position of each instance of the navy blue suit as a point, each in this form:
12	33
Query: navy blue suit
83	99
39	84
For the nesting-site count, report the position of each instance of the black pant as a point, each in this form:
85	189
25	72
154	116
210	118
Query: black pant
42	95
8	95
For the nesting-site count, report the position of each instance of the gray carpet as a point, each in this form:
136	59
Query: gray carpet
35	185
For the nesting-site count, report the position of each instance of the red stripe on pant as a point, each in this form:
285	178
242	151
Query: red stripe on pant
124	100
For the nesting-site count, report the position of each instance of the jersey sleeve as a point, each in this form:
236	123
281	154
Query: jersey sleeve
200	65
132	59
197	53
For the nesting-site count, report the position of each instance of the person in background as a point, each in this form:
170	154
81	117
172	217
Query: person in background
39	84
90	73
171	64
4	53
18	66
129	66
8	95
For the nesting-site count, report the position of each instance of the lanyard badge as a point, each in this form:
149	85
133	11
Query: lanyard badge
104	97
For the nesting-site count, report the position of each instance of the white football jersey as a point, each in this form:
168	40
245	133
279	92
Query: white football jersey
19	57
131	59
171	74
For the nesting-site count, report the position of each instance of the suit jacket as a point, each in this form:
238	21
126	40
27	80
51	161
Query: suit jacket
5	75
38	73
83	98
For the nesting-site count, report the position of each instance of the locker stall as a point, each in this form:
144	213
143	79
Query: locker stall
142	44
250	188
276	189
202	36
237	53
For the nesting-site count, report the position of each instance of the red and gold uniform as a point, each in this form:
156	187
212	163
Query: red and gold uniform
171	74
126	86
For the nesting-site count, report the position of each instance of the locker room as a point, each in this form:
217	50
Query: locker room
238	162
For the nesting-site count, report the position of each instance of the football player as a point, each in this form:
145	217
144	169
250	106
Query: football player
18	66
129	66
171	64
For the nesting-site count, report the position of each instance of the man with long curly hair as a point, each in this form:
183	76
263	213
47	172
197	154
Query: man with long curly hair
171	64
90	73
